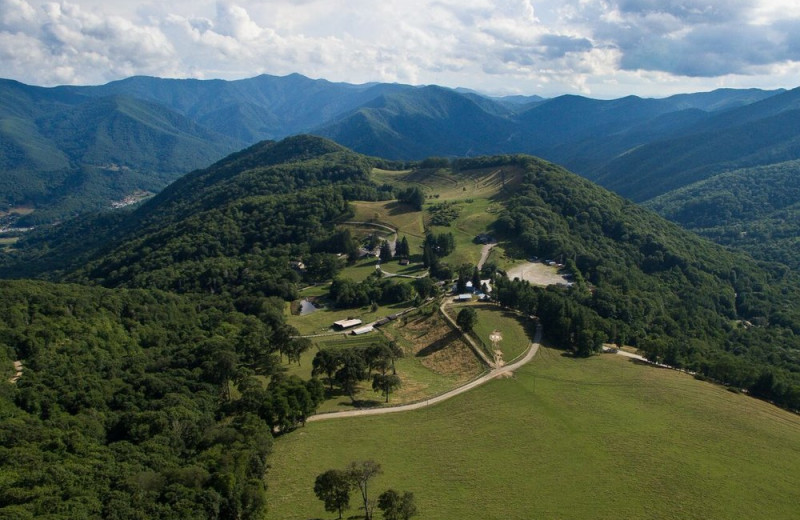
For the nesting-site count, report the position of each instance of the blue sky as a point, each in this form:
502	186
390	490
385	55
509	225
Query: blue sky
599	48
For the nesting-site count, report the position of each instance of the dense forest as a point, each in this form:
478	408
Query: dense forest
126	411
754	210
642	281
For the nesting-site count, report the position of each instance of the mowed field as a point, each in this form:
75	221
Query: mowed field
598	438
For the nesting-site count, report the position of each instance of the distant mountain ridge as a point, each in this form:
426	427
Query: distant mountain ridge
69	149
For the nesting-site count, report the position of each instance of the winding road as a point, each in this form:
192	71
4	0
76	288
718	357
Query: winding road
533	348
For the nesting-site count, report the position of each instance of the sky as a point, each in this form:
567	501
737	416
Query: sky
598	48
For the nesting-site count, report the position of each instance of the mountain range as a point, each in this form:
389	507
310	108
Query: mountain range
69	149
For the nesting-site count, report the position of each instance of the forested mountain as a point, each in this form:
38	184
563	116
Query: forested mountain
423	122
122	409
64	153
762	133
233	228
127	402
254	109
754	209
69	149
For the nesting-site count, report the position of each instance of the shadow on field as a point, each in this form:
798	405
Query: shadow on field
398	208
439	344
362	403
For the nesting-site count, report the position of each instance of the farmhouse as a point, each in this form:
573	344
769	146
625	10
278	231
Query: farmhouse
346	324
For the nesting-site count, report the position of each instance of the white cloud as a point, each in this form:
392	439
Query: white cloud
598	47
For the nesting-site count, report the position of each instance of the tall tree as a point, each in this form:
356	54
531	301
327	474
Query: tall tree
326	362
360	473
385	384
295	348
352	370
386	251
466	319
333	488
402	248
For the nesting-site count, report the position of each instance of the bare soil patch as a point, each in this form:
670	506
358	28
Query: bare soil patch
536	273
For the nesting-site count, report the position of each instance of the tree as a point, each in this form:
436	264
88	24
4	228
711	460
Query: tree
359	474
333	488
396	506
466	319
385	384
413	196
386	252
402	248
295	348
326	362
352	370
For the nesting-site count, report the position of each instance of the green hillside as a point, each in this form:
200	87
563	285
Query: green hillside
601	438
762	133
753	209
233	229
194	326
63	154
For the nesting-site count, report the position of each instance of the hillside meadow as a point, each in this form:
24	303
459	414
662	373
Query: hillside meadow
604	437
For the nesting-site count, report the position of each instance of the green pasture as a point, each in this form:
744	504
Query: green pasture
360	270
400	216
517	331
601	438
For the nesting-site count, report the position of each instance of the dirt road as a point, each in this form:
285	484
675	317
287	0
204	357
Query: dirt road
533	348
485	250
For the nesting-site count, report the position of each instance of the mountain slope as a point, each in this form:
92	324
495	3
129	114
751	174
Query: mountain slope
233	228
254	109
753	209
64	153
419	123
765	132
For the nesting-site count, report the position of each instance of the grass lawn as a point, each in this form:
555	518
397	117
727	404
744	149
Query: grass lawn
512	326
322	320
602	438
360	270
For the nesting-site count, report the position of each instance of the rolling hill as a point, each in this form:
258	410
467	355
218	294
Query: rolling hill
232	229
159	392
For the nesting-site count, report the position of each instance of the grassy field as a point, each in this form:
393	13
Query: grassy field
435	360
516	337
598	438
393	213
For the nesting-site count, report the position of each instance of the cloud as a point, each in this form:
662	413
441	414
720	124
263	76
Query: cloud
527	46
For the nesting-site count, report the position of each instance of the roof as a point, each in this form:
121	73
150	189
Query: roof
363	330
347	323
